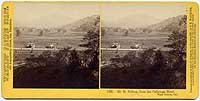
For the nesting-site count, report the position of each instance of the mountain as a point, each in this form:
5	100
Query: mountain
79	27
82	25
43	21
132	21
167	25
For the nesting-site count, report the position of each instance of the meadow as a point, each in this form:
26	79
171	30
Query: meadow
154	39
148	40
41	42
70	39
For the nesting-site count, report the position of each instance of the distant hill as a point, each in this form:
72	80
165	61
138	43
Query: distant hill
132	21
167	25
79	27
82	25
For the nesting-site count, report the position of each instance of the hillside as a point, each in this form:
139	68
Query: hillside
132	21
79	27
167	25
82	25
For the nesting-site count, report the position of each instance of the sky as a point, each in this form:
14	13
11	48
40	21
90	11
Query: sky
50	15
141	14
44	15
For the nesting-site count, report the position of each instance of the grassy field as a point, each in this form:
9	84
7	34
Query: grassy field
71	39
154	39
148	40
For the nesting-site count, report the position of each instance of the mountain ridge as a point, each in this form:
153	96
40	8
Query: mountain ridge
167	25
82	25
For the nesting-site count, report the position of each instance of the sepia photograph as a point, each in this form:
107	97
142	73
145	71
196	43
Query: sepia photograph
56	45
143	46
100	50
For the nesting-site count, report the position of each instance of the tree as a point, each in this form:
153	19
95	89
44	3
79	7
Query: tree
41	33
147	57
18	32
159	61
126	33
177	55
74	60
91	42
103	31
61	57
178	45
178	39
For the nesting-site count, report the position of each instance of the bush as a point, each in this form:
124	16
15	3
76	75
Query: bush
54	70
150	69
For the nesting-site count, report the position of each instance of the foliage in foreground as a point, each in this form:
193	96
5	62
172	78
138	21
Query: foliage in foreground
58	69
151	68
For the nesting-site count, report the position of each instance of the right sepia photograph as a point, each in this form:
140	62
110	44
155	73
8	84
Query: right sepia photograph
143	46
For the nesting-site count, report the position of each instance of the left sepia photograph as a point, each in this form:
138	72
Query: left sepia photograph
56	45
